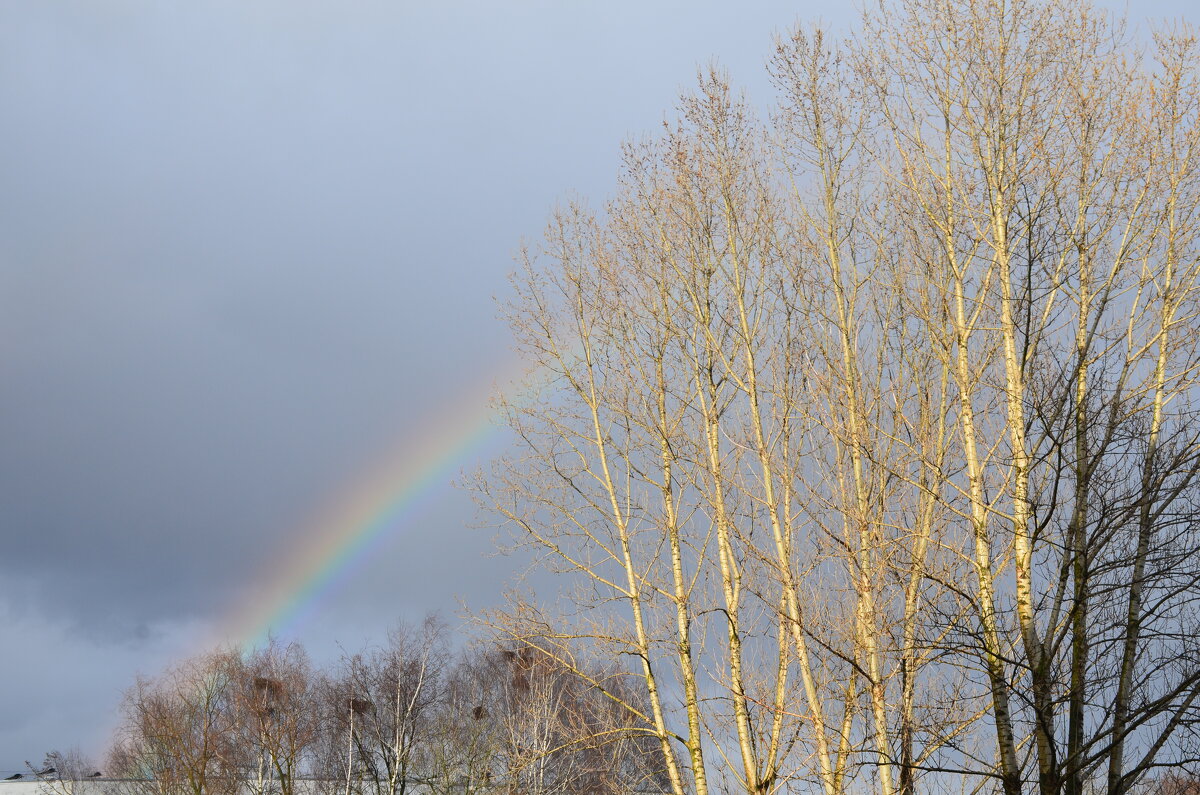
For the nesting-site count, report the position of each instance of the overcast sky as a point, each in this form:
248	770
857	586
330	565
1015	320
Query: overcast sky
247	247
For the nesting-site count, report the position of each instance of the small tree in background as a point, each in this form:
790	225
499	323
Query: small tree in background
276	715
179	733
379	707
62	772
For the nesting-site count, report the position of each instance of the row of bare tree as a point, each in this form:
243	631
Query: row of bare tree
868	432
411	716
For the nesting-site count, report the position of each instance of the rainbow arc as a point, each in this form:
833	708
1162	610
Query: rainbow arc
366	517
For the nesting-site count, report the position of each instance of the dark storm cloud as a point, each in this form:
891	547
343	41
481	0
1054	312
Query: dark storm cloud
245	244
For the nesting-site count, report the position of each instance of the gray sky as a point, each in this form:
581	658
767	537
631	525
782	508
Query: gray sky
248	247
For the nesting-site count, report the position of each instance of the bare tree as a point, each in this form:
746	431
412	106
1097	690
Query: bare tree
276	715
64	772
460	748
382	705
561	722
1047	166
178	735
871	432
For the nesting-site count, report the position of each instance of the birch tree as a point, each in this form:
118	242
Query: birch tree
276	715
381	705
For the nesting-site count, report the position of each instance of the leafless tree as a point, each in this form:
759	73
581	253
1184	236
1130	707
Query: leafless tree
178	735
382	705
870	433
275	714
64	772
561	723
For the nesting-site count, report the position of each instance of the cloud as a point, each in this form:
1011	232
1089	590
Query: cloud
62	690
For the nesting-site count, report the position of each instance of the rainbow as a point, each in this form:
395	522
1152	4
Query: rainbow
363	519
